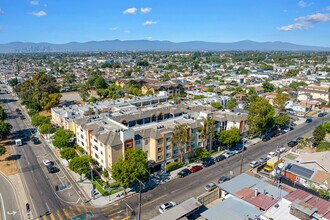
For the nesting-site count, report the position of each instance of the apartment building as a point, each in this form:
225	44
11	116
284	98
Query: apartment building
314	92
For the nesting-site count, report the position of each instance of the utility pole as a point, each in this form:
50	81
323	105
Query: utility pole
140	192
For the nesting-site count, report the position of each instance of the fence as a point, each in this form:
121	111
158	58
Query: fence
209	197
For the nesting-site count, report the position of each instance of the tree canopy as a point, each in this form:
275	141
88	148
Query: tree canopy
5	129
80	165
280	100
134	165
268	87
3	150
216	105
62	138
319	134
232	103
229	137
180	138
261	116
68	153
49	101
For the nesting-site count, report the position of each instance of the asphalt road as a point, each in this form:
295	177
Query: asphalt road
8	201
180	189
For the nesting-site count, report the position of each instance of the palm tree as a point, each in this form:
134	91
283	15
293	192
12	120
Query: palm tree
206	133
181	138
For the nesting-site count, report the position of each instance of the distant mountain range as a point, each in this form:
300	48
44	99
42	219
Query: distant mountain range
147	45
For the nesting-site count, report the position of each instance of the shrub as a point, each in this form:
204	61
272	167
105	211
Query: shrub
114	185
172	166
105	173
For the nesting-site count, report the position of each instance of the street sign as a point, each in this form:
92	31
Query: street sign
86	215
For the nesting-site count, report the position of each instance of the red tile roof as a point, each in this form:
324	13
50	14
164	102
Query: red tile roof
321	205
261	201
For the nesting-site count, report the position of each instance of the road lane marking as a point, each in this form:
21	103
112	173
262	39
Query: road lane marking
111	210
152	201
44	217
52	217
72	211
117	214
3	207
84	207
78	209
66	213
58	213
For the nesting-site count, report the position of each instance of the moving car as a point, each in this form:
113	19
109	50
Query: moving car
51	168
220	158
229	154
309	120
223	179
209	187
208	162
46	162
254	164
195	168
35	140
184	172
166	206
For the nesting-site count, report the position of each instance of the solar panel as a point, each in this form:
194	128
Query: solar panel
301	171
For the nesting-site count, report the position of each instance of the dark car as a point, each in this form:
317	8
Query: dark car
223	179
208	162
265	138
220	158
292	143
276	134
184	172
51	168
22	117
35	140
195	168
320	115
309	120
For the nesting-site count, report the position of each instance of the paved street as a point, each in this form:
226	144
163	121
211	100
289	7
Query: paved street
192	185
9	208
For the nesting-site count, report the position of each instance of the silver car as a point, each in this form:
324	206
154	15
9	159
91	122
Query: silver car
209	187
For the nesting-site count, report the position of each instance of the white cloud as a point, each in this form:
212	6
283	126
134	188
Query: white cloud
114	28
1	11
306	22
34	2
327	8
303	4
145	10
149	23
39	13
130	11
126	31
148	38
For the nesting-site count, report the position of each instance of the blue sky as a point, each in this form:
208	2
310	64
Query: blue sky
59	21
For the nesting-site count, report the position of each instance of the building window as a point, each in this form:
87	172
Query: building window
175	151
96	156
168	155
129	145
101	152
96	148
160	157
82	136
168	147
159	141
159	149
95	141
146	142
168	139
137	142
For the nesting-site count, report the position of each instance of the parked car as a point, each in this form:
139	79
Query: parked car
320	115
223	179
263	159
47	162
298	139
229	154
220	158
166	206
280	150
22	117
276	134
271	155
184	172
254	164
292	143
195	168
309	120
265	138
209	187
239	150
208	162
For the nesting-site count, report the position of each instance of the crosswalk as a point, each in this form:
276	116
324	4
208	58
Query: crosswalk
81	211
67	212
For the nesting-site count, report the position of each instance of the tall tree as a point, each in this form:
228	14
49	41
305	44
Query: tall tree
232	103
3	150
181	138
229	137
49	101
132	166
83	91
62	138
319	134
260	117
68	153
280	100
5	129
80	165
268	87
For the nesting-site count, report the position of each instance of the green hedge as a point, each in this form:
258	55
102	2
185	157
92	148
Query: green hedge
172	166
100	189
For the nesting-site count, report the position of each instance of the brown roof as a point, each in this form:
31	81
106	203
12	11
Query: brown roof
261	201
321	177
